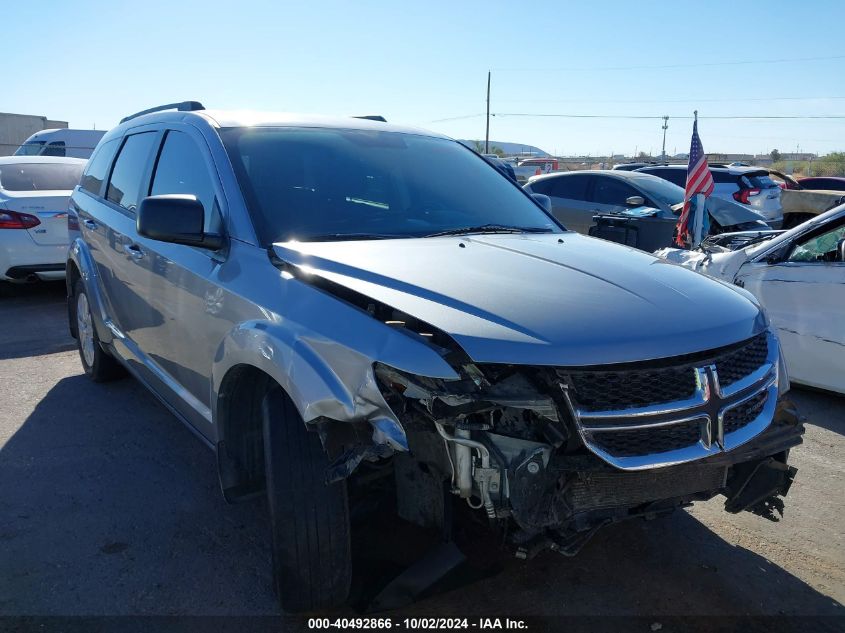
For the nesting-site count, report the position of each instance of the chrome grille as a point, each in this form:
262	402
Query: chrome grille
600	390
645	415
632	442
738	364
744	414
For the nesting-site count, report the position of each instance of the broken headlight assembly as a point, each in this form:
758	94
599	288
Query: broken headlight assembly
492	422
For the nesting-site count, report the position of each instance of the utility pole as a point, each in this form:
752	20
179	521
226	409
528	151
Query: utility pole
487	134
665	127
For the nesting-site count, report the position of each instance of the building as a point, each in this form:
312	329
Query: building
16	128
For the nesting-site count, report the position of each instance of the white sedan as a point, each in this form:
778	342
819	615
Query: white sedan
799	278
34	196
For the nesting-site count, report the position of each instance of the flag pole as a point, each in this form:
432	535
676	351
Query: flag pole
698	220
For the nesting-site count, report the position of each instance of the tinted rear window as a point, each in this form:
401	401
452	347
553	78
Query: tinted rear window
724	177
761	181
98	167
40	177
571	187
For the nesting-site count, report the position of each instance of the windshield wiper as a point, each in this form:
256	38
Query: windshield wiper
339	237
491	228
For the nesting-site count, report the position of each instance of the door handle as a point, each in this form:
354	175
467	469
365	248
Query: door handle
134	251
90	224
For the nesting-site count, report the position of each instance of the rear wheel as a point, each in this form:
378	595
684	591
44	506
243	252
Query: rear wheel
312	562
98	364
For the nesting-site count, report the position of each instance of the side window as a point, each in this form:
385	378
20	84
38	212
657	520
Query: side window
129	168
821	248
675	176
181	168
542	186
612	191
56	148
571	187
98	167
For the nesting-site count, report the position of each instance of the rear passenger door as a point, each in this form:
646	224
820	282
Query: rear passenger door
569	200
107	222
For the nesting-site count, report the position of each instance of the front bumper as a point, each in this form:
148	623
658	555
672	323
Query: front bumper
537	445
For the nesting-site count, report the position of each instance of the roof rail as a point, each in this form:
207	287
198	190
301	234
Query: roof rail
184	106
371	117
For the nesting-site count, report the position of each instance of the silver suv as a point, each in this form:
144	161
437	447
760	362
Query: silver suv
333	304
750	186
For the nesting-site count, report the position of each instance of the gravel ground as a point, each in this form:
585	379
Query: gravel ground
108	506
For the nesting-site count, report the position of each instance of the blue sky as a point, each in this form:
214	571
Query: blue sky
90	63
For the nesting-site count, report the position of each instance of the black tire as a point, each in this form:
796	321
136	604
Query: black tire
312	560
100	366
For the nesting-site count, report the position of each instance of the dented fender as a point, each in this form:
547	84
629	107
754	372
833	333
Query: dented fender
79	255
326	378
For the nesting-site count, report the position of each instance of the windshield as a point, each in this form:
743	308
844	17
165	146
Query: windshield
325	184
33	148
662	190
40	176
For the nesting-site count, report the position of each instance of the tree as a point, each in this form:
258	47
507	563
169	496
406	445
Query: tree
775	156
479	147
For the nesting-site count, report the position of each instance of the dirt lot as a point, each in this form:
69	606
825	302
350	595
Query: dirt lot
109	506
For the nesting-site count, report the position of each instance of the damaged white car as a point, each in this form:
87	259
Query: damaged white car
336	304
799	278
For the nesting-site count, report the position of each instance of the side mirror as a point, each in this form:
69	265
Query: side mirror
175	218
635	201
543	200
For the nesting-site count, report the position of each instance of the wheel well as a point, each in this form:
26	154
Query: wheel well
70	280
240	446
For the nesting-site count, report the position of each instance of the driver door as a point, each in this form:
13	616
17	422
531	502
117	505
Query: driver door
804	296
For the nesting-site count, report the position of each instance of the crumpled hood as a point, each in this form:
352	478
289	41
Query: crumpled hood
529	299
722	264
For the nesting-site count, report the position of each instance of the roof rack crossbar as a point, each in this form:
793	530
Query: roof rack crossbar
184	106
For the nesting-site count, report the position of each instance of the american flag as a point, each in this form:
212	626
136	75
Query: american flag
699	180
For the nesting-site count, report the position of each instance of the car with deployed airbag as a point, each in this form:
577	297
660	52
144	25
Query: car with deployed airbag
336	305
798	276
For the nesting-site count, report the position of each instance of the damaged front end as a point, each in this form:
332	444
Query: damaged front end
551	455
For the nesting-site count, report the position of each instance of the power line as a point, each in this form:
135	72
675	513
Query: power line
726	100
667	66
643	117
633	116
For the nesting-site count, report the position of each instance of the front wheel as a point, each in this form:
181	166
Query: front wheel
98	364
312	560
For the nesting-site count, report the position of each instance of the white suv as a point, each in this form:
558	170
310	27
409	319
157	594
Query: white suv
751	186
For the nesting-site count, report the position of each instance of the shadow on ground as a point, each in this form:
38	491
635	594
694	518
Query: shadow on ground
825	408
111	507
28	314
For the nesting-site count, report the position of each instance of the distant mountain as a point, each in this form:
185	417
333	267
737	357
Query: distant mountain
511	149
